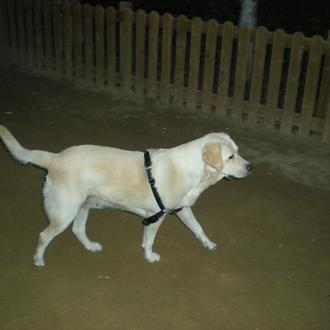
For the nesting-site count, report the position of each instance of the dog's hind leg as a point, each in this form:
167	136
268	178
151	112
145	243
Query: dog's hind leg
79	229
61	208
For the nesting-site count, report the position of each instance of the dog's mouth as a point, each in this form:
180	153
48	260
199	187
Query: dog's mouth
231	178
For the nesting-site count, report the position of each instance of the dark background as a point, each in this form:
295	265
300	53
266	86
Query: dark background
310	17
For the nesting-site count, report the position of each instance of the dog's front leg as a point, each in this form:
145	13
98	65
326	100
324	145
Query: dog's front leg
149	234
188	218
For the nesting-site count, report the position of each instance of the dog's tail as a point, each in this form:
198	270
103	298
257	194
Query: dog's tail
36	157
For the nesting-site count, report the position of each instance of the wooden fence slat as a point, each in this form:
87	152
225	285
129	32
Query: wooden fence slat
195	51
58	37
326	128
49	54
167	33
259	58
311	84
29	31
21	32
241	71
4	37
325	85
140	31
153	54
99	45
126	50
225	66
88	12
13	30
276	65
180	56
209	63
111	47
38	33
291	91
68	40
78	43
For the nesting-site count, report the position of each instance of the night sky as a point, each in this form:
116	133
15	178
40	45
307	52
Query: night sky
310	17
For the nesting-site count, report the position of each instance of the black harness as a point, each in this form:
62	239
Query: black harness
154	218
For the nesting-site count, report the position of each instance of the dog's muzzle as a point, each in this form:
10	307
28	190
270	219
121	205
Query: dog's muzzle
232	177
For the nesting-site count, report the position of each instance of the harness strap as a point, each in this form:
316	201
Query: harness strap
154	218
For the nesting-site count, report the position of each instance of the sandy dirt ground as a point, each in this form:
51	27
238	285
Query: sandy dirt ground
272	266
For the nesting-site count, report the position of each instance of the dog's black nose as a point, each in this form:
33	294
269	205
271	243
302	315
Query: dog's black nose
249	167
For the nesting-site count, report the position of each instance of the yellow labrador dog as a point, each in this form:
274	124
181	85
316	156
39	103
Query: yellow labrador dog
150	184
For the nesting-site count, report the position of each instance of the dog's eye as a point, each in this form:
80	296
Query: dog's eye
231	157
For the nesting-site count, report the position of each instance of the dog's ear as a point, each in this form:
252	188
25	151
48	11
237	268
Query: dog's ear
212	155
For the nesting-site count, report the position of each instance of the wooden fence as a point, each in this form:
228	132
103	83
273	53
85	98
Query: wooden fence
263	78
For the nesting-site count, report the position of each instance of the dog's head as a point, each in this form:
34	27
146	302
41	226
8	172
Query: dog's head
220	153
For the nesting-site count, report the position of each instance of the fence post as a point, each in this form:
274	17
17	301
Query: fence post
166	58
209	64
126	49
326	129
88	13
13	31
4	42
181	40
241	71
111	47
21	32
99	45
68	40
195	51
140	51
311	84
325	83
278	44
297	48
153	54
259	57
225	67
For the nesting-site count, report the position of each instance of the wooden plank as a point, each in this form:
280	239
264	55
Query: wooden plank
181	44
311	85
58	37
209	63
126	50
167	32
21	32
29	32
39	35
241	71
13	31
225	66
68	40
49	52
258	68
4	37
325	84
111	47
326	128
195	51
274	77
153	54
291	92
99	45
78	43
140	51
88	43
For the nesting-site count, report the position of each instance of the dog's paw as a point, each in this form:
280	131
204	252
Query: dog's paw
39	262
210	245
94	247
152	257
